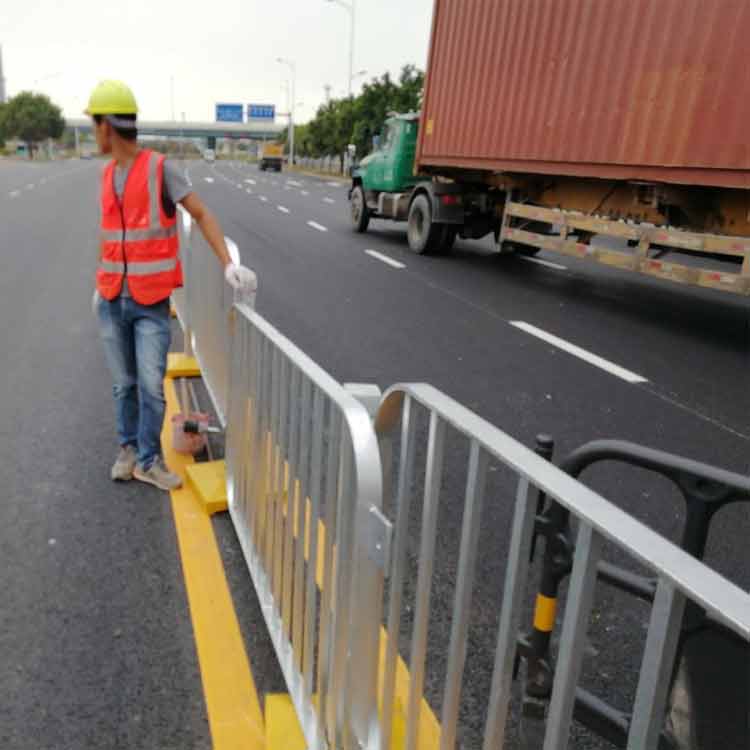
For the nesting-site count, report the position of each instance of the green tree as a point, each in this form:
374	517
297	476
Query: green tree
2	125
356	120
32	118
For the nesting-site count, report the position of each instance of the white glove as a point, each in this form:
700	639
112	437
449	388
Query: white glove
240	278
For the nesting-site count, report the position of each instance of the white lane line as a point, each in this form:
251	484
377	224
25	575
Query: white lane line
385	259
30	186
264	199
334	184
15	193
283	209
209	179
542	262
304	192
576	351
294	183
315	225
328	200
250	182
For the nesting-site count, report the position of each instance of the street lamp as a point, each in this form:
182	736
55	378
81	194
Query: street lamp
293	68
350	6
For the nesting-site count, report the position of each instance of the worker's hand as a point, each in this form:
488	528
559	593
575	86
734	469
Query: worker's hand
240	278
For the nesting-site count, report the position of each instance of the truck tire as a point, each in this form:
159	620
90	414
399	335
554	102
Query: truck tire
423	234
359	212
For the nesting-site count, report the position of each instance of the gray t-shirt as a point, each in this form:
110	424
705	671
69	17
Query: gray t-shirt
177	186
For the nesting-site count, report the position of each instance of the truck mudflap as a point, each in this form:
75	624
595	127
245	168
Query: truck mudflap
648	243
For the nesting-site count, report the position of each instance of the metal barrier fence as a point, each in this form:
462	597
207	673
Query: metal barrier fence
203	307
304	491
307	475
681	578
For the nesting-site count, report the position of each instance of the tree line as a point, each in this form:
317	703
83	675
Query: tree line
32	118
357	120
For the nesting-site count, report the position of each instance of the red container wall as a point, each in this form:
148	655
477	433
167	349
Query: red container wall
630	89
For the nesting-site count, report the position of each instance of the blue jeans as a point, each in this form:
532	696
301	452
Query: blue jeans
136	341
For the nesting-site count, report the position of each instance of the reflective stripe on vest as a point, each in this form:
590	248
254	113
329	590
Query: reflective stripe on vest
139	269
138	235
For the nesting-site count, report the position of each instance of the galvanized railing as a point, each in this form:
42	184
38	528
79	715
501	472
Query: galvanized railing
680	577
203	307
304	490
306	484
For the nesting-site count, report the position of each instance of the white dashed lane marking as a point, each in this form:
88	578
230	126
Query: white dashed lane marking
542	262
328	200
315	225
385	259
304	192
283	209
209	179
576	351
264	199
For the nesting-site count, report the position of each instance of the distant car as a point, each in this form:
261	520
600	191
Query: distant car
209	155
87	155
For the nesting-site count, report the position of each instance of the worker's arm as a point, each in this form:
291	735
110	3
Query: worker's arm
208	225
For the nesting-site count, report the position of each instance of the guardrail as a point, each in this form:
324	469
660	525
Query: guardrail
681	578
304	492
308	474
203	307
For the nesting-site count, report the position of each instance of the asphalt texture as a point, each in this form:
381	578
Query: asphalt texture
96	637
96	643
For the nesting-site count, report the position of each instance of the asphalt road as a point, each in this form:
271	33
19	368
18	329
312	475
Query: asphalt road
95	633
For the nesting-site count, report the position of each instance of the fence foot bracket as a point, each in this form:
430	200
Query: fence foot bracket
181	366
208	479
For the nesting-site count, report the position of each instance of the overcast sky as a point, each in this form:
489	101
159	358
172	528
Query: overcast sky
216	50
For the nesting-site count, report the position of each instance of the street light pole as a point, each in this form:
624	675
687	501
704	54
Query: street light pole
351	7
293	68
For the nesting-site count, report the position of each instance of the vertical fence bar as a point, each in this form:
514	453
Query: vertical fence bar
327	596
656	669
302	526
475	484
577	612
433	476
516	574
292	503
403	508
341	619
281	478
275	490
316	459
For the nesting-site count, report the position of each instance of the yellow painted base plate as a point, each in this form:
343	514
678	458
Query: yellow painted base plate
180	366
209	480
283	731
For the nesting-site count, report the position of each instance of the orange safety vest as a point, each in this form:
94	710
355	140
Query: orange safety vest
138	240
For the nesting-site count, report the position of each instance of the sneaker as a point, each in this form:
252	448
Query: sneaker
122	469
158	475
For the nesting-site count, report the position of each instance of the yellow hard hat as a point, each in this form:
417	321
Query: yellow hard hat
112	98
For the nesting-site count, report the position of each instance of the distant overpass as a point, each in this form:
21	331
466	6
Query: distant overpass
234	130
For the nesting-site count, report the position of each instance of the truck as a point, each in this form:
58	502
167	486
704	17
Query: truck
593	130
271	156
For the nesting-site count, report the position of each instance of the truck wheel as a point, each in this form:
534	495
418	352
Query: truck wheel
424	235
528	250
360	212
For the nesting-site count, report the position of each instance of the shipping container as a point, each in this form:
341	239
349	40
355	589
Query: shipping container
614	131
653	90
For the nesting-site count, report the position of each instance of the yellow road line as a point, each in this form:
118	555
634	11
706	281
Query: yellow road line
234	713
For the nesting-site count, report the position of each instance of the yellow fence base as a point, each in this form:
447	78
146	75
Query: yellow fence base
209	480
180	366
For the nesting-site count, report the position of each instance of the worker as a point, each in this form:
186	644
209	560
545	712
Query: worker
139	266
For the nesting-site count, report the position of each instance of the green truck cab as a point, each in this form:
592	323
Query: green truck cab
385	185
